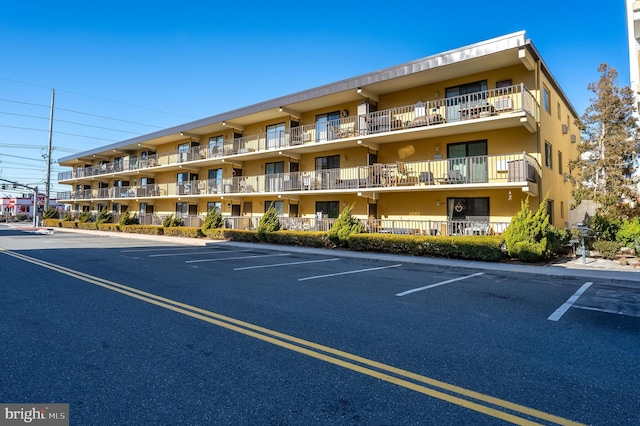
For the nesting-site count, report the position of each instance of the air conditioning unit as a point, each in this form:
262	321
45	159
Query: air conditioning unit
573	138
565	129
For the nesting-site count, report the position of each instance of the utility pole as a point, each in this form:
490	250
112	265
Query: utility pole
48	180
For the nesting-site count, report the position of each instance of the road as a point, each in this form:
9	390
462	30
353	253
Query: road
148	332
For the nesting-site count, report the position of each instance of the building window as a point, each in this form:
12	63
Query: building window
546	99
325	126
214	206
326	163
329	209
279	206
560	162
216	146
181	209
559	112
275	135
561	209
548	151
550	211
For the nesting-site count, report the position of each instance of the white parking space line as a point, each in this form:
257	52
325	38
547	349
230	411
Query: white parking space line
285	264
404	293
192	253
565	307
348	272
237	257
161	249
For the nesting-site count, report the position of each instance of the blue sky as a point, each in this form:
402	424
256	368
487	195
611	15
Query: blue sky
124	68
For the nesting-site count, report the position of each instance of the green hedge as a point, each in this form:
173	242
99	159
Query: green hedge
113	227
183	231
68	224
89	226
52	223
233	235
143	229
485	248
300	238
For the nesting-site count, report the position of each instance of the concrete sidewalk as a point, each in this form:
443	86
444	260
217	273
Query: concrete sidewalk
593	268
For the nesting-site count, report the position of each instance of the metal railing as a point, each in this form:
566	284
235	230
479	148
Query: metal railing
483	169
493	102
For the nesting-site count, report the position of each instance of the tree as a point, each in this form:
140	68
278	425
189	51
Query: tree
603	171
345	225
269	222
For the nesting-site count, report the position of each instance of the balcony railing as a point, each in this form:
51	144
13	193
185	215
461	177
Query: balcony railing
324	224
479	170
483	104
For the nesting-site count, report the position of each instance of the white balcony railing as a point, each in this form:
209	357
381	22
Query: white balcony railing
483	170
484	104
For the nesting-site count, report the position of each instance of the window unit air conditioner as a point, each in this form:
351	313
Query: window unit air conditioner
565	129
573	138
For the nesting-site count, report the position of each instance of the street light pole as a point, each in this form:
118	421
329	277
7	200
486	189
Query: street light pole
48	180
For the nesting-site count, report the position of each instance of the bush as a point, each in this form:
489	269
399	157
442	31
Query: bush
183	231
171	221
607	249
269	222
85	217
104	216
128	219
51	213
89	226
629	233
69	224
213	220
113	227
143	229
52	223
602	227
485	248
531	252
68	217
301	238
343	227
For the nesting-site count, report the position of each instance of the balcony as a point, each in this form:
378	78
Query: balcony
478	172
496	108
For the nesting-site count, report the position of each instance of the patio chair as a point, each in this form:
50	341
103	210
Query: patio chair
420	115
454	176
406	174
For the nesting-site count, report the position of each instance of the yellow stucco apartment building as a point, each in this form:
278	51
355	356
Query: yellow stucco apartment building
443	145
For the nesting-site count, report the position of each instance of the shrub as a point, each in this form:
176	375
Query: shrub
68	217
90	226
113	227
531	252
607	249
628	233
213	220
104	216
51	213
533	234
128	219
301	238
602	227
183	231
343	227
85	217
52	223
269	222
486	248
68	224
143	229
171	221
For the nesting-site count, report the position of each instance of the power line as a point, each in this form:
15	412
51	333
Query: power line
69	122
20	146
58	133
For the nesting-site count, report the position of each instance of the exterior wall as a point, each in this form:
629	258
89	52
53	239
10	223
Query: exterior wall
513	134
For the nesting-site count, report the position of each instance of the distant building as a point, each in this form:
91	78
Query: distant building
15	206
443	145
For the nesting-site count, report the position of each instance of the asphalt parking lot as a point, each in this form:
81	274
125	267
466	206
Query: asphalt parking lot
311	337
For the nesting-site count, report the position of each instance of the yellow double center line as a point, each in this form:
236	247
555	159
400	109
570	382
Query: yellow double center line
495	407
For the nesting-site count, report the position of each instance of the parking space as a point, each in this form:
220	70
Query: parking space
302	267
